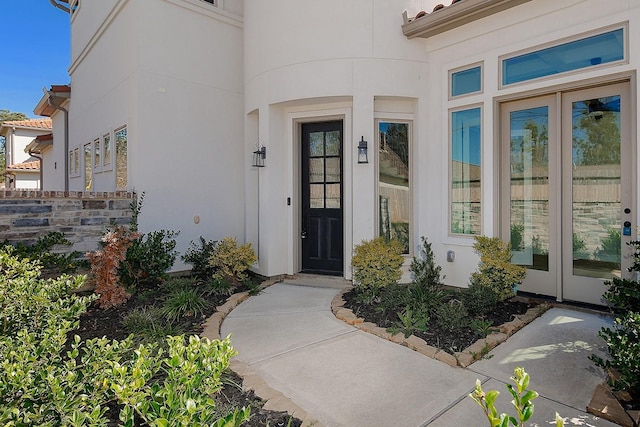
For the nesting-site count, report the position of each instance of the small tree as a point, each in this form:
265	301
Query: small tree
376	264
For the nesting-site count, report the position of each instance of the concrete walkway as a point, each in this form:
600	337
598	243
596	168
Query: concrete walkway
342	376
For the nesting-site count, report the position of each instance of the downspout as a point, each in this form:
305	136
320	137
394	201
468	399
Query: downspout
59	6
41	161
66	137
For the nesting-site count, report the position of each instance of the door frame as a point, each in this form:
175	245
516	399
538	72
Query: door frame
323	263
295	117
500	174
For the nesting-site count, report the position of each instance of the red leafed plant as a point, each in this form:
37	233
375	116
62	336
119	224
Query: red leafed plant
104	267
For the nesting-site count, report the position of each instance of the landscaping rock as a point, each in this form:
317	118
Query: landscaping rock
604	404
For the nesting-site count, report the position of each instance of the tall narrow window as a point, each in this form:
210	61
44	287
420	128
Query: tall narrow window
121	158
88	178
465	186
76	161
106	151
394	208
97	165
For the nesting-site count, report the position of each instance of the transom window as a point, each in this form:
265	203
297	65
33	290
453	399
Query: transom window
577	54
465	82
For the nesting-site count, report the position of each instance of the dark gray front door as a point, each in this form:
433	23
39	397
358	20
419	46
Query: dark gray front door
322	198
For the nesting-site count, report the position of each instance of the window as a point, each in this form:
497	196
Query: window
465	171
213	2
583	53
97	165
88	177
121	158
106	151
394	207
74	162
465	82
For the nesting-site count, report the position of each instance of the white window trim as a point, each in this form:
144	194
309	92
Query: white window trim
115	158
96	168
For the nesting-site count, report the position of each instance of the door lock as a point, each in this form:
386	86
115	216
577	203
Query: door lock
303	235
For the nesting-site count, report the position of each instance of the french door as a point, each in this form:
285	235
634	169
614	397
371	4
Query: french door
567	189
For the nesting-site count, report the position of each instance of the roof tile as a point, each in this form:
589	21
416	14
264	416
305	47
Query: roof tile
44	123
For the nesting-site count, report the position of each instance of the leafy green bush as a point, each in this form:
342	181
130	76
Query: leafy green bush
479	299
41	251
376	264
495	269
231	261
452	316
199	256
148	259
623	344
46	381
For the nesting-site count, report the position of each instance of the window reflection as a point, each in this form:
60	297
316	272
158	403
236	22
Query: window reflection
393	182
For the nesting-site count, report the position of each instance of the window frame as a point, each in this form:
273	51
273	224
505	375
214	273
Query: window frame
461	69
115	149
106	166
88	181
74	162
392	118
96	155
559	42
450	113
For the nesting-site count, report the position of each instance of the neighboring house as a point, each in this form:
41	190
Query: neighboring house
53	148
509	118
23	167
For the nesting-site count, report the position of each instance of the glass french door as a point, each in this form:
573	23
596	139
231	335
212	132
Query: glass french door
567	196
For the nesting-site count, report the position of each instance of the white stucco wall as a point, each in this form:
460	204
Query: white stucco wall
178	89
308	62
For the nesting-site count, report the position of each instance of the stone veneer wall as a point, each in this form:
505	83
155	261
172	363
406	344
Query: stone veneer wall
81	216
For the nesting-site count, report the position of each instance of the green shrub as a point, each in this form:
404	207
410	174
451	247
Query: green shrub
46	381
231	261
148	324
624	294
184	302
376	264
41	251
479	299
623	344
452	316
495	269
424	269
148	259
410	321
199	256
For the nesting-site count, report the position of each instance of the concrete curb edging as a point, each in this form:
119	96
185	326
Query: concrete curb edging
274	400
460	359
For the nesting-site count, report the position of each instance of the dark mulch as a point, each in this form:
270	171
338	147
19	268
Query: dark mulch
449	341
97	322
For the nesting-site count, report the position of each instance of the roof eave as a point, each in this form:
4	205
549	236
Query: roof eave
456	15
61	93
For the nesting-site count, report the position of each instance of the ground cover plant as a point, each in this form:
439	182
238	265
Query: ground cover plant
446	318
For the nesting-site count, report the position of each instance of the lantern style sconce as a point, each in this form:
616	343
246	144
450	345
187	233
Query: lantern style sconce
259	155
362	151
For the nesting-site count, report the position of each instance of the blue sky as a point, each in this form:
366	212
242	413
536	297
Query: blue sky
36	52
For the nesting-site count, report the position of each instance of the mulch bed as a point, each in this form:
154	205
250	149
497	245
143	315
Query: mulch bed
99	323
449	341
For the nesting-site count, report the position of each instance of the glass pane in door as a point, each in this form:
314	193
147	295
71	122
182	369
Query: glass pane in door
529	187
596	187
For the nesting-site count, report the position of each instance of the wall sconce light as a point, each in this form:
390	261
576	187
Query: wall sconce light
362	151
259	155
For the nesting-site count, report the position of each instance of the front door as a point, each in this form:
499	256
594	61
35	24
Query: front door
567	189
321	222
